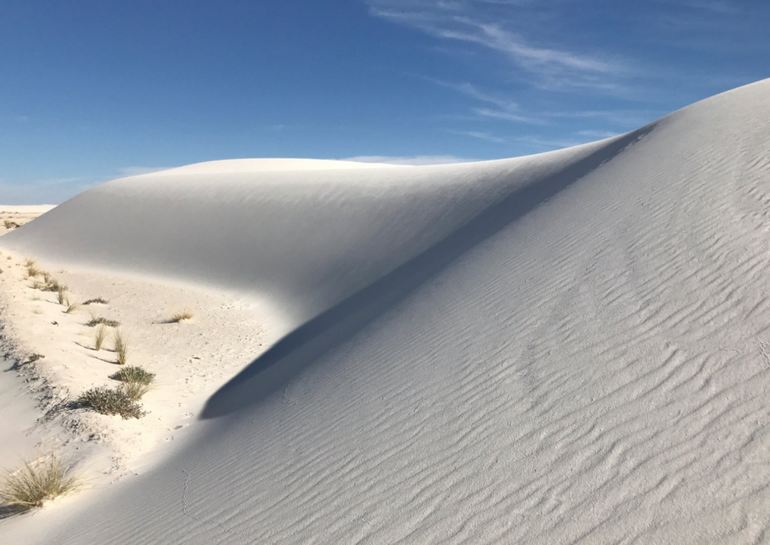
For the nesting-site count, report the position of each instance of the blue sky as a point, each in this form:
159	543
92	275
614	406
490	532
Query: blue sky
96	89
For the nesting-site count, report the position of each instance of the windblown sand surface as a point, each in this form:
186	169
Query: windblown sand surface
564	348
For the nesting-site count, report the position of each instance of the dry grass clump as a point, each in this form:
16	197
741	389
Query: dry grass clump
48	284
99	337
135	390
102	321
95	301
133	374
11	224
121	349
111	401
33	484
179	317
32	268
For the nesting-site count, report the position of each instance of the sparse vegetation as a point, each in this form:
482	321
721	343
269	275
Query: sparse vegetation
48	284
135	390
33	484
32	269
101	333
133	374
102	321
95	301
10	224
60	297
179	317
111	401
121	349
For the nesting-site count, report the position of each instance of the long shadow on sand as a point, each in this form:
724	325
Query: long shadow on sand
307	343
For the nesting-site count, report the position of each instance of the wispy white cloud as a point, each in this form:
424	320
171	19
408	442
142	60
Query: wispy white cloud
596	134
409	160
496	107
462	21
479	135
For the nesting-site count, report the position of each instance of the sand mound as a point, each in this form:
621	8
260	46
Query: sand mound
569	347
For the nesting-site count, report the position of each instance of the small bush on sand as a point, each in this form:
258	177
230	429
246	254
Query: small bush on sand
33	484
10	224
121	350
111	401
179	317
99	337
95	301
102	321
133	374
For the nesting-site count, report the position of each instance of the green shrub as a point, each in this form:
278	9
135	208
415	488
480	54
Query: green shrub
133	374
111	401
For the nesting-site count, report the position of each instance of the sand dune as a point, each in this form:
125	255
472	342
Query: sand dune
563	348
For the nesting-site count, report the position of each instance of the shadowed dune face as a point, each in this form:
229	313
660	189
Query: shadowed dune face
560	349
317	336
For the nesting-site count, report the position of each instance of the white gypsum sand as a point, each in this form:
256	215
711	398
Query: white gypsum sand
563	348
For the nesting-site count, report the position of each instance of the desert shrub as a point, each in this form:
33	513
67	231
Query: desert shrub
11	224
121	350
95	301
133	374
32	484
111	401
102	321
99	337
